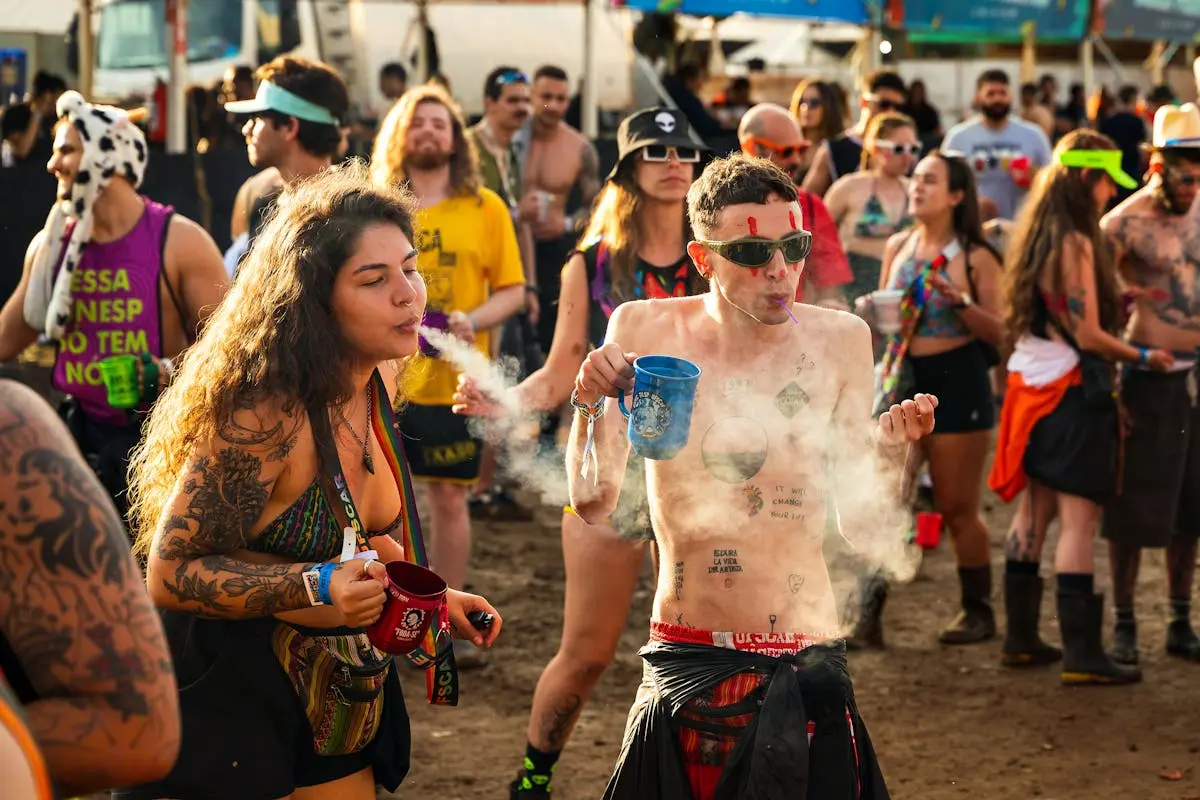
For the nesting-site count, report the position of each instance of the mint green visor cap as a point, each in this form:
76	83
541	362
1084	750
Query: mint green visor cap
275	98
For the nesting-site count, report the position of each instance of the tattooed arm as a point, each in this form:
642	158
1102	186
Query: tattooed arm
595	496
75	613
589	178
1077	264
193	564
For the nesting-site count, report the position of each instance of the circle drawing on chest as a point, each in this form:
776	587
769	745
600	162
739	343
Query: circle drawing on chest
734	449
651	415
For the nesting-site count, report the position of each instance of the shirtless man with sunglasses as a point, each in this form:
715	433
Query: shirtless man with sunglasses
780	425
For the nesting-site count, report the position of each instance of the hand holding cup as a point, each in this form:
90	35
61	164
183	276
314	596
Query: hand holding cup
357	590
607	371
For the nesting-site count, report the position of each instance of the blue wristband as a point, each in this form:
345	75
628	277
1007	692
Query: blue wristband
326	574
1144	352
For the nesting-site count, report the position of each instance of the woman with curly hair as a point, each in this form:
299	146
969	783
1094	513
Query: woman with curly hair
1058	443
261	475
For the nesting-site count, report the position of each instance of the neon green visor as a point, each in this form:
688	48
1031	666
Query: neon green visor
1107	160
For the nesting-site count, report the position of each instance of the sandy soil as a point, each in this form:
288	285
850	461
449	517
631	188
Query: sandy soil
947	722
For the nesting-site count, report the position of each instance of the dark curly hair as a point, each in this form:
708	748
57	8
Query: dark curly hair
731	181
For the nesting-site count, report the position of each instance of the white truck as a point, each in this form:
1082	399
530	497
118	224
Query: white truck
358	37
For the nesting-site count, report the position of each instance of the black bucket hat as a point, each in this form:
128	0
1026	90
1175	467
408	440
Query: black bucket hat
662	126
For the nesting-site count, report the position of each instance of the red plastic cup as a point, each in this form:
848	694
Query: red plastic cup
1021	174
414	600
929	530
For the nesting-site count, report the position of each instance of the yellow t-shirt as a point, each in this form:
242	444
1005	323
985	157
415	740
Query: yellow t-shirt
467	249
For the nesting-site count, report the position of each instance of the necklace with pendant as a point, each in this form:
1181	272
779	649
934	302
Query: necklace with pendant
367	460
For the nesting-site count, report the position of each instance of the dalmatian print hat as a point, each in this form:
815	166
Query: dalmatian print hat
112	145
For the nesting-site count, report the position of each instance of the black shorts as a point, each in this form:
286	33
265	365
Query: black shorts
1159	492
245	733
960	381
439	444
1073	450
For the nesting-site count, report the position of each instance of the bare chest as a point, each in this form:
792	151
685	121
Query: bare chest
1163	256
554	164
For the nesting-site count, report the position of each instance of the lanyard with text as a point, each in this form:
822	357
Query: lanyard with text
435	654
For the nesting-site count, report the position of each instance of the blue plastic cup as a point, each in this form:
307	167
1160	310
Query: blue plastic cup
664	391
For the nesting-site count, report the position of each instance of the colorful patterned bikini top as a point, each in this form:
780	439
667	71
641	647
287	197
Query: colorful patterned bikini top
650	282
939	317
308	530
874	222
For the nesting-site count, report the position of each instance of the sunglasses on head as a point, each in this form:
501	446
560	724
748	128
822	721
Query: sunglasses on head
512	76
658	153
754	252
899	148
784	151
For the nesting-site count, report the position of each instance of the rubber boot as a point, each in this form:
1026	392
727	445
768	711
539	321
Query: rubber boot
1084	660
1182	641
1124	648
868	631
1023	647
976	622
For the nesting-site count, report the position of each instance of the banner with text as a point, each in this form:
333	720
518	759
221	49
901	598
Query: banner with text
1148	20
995	20
852	11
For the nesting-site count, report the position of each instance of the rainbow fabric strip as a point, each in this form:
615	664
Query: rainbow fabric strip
911	306
387	430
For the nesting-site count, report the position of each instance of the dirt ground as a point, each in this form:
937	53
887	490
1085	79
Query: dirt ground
946	722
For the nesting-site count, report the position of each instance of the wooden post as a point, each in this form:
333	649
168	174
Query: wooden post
1087	55
1028	52
590	96
87	57
177	47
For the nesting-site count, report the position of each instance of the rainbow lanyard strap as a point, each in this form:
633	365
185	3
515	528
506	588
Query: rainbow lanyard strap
435	654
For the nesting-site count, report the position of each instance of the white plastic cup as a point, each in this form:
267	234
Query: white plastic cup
887	309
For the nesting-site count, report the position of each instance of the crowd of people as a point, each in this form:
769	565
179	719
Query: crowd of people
228	415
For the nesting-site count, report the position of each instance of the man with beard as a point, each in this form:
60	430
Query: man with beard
1004	151
293	131
501	162
560	159
469	260
1156	238
768	131
113	273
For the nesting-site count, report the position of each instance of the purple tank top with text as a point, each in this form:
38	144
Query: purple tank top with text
114	311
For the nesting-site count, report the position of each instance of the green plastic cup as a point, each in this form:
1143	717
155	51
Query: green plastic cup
121	380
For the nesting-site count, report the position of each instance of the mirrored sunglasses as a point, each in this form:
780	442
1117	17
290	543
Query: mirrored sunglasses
754	252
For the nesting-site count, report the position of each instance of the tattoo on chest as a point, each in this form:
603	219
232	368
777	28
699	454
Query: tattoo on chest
678	580
772	618
735	387
788	503
795	583
734	449
754	500
791	399
725	562
804	363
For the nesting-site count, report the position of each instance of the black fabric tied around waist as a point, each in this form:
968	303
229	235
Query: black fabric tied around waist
771	758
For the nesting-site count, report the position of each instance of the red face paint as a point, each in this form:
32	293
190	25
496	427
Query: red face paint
795	267
752	223
792	219
753	273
